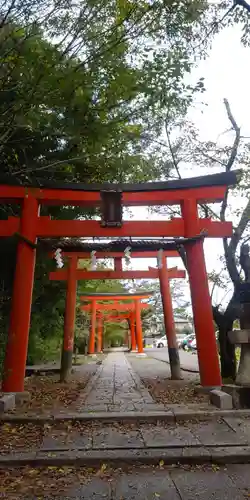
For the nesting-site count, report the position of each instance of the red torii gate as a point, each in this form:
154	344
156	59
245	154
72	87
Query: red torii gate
120	319
120	307
97	297
97	313
187	193
102	318
72	274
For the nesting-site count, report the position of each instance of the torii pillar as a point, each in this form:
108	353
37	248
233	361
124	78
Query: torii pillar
91	349
99	333
132	331
18	338
202	309
138	326
69	321
173	352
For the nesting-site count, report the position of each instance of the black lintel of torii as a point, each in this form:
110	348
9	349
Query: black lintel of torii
221	179
76	245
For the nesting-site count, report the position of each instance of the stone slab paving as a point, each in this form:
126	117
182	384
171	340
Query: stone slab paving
229	483
218	433
215	435
116	387
59	440
152	367
168	436
110	438
188	360
206	485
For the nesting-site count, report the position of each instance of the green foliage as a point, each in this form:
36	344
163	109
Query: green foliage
114	334
83	87
82	84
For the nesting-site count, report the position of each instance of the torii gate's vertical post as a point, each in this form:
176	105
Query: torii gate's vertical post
99	333
132	332
17	346
69	320
173	351
126	339
92	328
202	309
138	323
118	264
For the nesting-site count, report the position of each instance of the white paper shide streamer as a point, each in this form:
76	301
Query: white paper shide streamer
58	258
127	255
160	259
93	260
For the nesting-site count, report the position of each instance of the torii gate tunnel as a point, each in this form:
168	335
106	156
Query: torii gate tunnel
186	193
119	317
134	307
113	312
72	274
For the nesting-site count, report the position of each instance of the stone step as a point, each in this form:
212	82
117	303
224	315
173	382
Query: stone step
173	415
117	457
116	437
133	483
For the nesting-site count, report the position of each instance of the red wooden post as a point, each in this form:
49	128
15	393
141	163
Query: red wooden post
99	333
69	320
126	341
202	310
118	264
92	328
132	332
138	326
173	351
17	346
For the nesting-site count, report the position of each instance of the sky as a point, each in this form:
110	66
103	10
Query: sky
227	74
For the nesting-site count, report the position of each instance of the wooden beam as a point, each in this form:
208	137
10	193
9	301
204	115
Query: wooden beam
158	229
115	307
91	228
90	298
47	196
115	319
62	274
10	226
109	254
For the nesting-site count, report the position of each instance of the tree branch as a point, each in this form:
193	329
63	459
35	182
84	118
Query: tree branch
244	220
175	162
242	3
229	249
236	128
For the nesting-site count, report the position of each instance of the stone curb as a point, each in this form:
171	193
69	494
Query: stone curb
167	416
183	368
170	456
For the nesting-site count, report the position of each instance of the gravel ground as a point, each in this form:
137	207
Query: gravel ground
170	392
47	393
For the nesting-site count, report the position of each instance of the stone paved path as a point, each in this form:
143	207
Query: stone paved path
116	387
156	439
151	367
232	483
228	483
188	360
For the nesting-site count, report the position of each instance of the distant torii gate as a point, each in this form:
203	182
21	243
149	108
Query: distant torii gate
120	318
187	193
135	297
72	274
127	308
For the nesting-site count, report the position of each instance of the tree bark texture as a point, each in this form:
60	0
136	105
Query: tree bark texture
224	321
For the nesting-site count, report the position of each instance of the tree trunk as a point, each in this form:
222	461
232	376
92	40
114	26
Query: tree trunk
227	352
224	322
